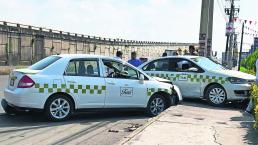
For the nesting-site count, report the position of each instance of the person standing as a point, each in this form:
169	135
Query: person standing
250	106
164	54
134	61
119	55
175	53
192	51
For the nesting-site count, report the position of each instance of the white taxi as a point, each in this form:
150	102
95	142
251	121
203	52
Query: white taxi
200	77
62	84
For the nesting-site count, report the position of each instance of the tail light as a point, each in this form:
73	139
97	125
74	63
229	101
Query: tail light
25	82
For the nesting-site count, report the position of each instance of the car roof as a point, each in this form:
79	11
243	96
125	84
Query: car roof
182	56
176	56
84	56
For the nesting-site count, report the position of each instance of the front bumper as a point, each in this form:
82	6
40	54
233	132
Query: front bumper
238	91
179	95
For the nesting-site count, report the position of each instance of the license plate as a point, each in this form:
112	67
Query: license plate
12	81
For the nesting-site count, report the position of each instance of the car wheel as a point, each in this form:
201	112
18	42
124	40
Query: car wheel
216	95
59	108
156	105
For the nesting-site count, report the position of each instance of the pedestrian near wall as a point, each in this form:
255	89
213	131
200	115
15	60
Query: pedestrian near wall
119	55
250	106
192	51
134	61
164	54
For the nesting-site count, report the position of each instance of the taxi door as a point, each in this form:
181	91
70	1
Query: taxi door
168	68
186	76
83	80
123	86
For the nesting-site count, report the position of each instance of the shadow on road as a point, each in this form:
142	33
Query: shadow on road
35	121
204	104
247	122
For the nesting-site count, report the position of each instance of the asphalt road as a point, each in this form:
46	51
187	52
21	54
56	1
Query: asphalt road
100	128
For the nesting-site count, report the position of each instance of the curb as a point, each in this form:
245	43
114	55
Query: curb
140	129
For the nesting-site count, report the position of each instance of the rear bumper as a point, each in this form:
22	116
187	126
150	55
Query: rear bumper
24	98
5	104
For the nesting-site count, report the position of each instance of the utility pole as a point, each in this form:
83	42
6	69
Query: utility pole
229	43
205	35
241	45
210	27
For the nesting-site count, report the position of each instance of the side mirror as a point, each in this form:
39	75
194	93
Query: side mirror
141	79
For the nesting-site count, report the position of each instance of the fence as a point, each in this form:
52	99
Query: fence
24	44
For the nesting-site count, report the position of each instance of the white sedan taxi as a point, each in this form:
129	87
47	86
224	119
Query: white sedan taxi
200	77
60	85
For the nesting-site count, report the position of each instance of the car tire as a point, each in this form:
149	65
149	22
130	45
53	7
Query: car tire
216	95
59	108
156	105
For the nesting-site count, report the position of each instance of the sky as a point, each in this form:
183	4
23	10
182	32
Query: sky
148	20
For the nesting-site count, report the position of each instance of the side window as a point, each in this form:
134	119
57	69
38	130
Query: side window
158	65
186	66
71	69
115	69
83	68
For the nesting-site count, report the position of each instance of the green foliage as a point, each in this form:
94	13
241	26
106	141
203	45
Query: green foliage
242	69
254	97
249	62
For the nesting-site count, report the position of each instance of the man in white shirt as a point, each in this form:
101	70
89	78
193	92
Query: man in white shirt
250	106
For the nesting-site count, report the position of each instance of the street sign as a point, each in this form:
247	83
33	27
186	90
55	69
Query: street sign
229	28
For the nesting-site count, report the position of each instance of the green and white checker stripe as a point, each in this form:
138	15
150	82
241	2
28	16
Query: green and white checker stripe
151	91
191	78
83	89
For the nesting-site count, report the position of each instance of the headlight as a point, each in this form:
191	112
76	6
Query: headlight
235	80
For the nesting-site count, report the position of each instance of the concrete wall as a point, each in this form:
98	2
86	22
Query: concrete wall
24	45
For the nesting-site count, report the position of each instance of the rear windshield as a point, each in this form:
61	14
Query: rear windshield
44	63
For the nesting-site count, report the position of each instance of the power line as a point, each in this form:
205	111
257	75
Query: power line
222	10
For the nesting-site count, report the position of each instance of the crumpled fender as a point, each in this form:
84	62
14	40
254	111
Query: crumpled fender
177	90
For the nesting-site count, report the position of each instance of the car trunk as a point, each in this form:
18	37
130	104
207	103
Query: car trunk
16	75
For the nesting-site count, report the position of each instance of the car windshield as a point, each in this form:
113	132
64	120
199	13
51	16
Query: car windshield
207	63
40	65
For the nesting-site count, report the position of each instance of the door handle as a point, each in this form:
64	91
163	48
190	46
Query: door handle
72	82
111	83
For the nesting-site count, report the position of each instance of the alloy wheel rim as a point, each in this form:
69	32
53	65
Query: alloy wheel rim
217	95
157	106
59	108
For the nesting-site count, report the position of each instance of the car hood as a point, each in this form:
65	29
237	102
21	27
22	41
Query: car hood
233	73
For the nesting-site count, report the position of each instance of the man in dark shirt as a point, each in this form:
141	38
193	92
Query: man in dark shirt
164	54
134	61
119	55
192	51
